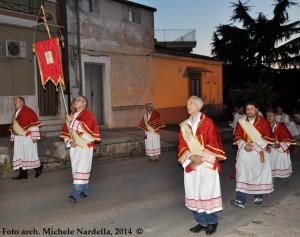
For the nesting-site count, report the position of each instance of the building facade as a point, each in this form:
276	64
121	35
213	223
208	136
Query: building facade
108	55
179	75
115	68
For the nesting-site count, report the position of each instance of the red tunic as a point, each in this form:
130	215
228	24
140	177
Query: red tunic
88	123
262	126
208	136
155	121
27	118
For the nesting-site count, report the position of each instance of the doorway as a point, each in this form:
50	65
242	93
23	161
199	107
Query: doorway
94	90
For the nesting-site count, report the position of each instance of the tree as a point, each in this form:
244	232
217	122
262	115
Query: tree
257	50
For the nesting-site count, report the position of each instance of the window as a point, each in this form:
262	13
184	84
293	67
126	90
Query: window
131	15
88	6
195	84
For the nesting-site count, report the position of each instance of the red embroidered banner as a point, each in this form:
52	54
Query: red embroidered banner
49	60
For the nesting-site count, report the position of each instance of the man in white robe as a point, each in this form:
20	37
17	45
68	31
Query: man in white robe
281	165
199	150
80	135
253	167
24	136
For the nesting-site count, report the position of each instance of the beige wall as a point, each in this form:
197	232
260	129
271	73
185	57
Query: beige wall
17	75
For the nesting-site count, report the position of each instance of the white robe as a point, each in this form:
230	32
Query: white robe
152	142
25	151
81	158
252	176
281	164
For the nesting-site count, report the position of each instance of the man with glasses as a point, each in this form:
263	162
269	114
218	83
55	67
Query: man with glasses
80	133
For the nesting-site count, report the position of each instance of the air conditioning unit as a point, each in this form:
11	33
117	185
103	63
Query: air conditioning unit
15	49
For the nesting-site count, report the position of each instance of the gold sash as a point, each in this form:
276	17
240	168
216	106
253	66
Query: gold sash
252	132
76	138
79	140
150	129
194	145
18	129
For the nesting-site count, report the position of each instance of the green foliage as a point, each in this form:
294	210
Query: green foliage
254	53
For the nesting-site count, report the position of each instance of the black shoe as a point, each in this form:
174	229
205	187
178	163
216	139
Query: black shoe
82	194
38	171
211	229
19	177
72	199
197	228
22	174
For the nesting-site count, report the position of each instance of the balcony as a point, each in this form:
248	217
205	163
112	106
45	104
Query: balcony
182	40
30	7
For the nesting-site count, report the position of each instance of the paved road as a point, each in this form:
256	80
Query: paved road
130	196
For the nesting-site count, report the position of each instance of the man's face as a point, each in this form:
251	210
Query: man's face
271	118
149	109
18	103
80	103
251	111
279	110
192	106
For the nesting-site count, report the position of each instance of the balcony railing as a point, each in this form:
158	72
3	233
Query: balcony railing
178	35
31	7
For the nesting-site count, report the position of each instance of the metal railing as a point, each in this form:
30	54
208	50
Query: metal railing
31	7
177	35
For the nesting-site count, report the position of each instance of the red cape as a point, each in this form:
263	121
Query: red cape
282	134
155	121
208	135
27	118
88	124
262	126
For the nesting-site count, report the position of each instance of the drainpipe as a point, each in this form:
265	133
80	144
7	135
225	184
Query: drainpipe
79	47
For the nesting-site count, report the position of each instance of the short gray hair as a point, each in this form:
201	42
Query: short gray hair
198	99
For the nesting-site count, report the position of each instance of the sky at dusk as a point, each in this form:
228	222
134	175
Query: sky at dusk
205	16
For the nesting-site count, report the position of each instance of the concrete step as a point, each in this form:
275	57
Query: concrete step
52	127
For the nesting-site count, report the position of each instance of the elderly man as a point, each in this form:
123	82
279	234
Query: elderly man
151	123
280	156
253	166
199	150
24	136
79	133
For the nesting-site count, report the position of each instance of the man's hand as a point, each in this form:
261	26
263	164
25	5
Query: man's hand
248	147
69	118
34	140
277	145
73	144
195	161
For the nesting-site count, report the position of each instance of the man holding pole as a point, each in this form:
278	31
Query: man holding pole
80	133
253	165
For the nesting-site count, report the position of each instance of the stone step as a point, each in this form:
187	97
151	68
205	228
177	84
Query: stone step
52	127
